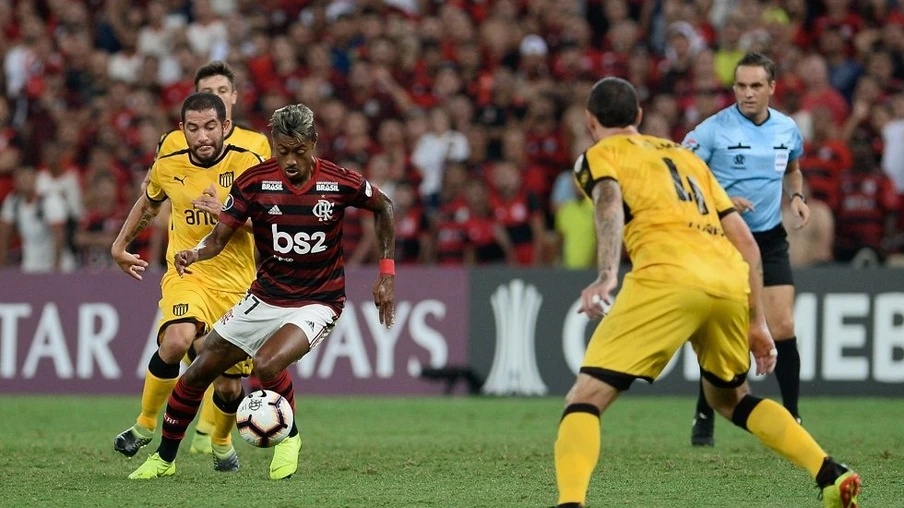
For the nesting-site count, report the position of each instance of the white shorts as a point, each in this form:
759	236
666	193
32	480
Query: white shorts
251	322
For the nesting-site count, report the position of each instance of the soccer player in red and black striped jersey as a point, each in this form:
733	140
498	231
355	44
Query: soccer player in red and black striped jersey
295	202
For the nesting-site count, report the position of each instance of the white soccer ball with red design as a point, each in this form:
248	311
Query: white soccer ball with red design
264	418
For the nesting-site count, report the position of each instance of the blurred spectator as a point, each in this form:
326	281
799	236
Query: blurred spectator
825	159
10	154
867	214
811	245
892	132
729	51
55	177
20	63
789	92
857	125
880	67
412	228
39	222
544	144
100	224
448	220
815	74
575	232
206	30
433	150
155	37
125	65
655	124
519	212
838	18
488	241
844	71
682	46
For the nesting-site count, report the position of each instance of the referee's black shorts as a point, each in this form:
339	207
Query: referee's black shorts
774	253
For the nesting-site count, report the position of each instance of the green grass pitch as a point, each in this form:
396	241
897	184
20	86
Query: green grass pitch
444	452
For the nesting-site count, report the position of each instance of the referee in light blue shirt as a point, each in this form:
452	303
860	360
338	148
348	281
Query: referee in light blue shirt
752	150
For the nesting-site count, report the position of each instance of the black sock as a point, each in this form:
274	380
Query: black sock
702	406
294	431
829	472
787	372
168	448
161	369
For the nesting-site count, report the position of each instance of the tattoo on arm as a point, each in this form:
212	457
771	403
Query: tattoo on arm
756	274
147	210
610	221
143	222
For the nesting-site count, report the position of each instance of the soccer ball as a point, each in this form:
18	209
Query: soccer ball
264	418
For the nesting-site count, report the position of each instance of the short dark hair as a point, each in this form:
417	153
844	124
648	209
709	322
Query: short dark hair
215	68
613	101
295	121
755	59
202	101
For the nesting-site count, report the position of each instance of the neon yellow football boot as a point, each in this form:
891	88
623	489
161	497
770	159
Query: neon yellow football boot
200	444
285	458
154	467
843	493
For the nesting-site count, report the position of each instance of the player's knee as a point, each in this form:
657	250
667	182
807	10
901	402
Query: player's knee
783	327
725	406
589	390
228	388
741	412
266	369
781	319
173	347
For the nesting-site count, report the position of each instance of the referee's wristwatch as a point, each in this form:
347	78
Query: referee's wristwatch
799	195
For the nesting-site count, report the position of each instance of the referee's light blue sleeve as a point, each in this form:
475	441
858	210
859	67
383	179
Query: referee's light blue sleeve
797	150
699	141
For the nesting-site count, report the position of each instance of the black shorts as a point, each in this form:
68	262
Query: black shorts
774	253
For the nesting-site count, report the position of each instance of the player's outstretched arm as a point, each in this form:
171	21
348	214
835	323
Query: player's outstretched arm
384	288
208	247
761	343
609	216
140	217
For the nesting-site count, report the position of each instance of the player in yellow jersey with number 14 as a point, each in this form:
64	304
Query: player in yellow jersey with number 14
696	276
195	180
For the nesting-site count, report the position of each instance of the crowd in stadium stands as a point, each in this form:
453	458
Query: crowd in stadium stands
468	113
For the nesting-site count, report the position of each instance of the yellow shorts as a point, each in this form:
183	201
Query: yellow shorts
650	320
184	301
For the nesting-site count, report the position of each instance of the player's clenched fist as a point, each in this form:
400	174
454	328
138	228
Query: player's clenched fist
183	259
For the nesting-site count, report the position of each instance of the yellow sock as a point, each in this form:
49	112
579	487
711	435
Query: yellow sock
776	428
222	428
577	450
206	420
153	397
